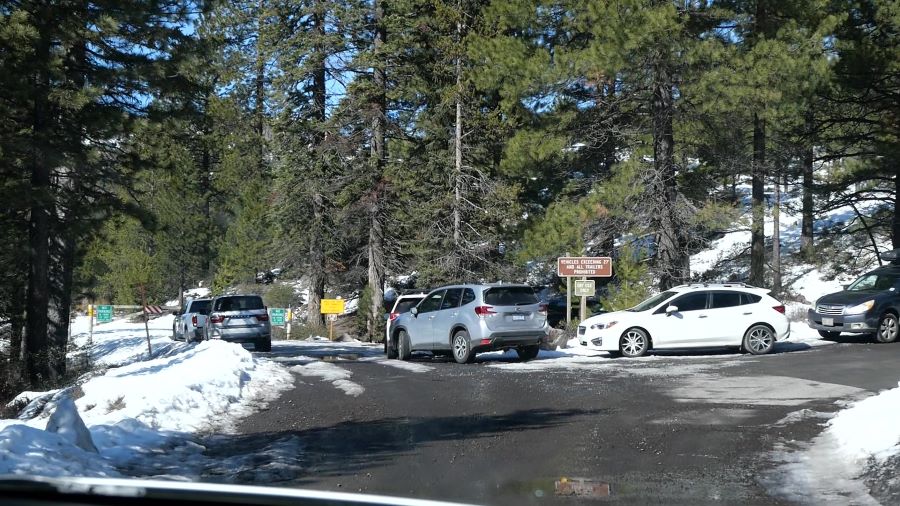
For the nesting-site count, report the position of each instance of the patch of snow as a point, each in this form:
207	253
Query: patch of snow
338	376
399	364
803	414
757	390
66	422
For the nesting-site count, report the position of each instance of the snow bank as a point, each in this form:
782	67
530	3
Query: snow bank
831	468
869	428
141	407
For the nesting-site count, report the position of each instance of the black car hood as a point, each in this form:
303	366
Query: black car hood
849	298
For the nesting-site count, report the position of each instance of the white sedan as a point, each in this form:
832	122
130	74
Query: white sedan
688	316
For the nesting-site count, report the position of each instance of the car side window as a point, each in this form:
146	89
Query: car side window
725	299
452	298
749	298
690	302
432	302
468	296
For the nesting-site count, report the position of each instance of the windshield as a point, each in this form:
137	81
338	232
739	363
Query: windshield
406	304
510	296
200	306
652	302
238	303
877	282
512	169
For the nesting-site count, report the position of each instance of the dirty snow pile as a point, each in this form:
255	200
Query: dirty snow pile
864	436
137	409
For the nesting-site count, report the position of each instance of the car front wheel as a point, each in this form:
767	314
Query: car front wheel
462	348
887	329
759	340
403	350
634	343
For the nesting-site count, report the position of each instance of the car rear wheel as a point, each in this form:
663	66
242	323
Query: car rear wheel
887	329
527	353
462	348
759	340
403	350
265	345
829	334
634	343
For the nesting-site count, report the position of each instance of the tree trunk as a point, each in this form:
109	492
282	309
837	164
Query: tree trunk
317	234
379	153
37	345
807	244
895	225
776	239
457	143
757	202
61	277
672	259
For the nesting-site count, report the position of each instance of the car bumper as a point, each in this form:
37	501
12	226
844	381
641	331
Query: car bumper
242	336
506	340
859	323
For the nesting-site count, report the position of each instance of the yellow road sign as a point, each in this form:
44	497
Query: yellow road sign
332	306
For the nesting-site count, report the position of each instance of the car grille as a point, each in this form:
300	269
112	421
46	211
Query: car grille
581	329
830	310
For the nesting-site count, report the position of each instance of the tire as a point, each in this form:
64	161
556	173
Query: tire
888	328
759	340
527	353
634	343
403	349
461	346
263	345
829	334
174	334
390	349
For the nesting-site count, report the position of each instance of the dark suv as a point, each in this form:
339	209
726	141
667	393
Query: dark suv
240	319
869	305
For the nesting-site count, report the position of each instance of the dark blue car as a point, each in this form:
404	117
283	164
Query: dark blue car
869	305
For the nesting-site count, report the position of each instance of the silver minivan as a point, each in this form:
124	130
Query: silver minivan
463	320
240	319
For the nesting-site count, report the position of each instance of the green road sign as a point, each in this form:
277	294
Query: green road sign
584	287
277	315
104	314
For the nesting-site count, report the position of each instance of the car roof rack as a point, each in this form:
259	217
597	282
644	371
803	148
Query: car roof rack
718	284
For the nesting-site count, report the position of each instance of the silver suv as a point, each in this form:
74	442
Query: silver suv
240	319
463	320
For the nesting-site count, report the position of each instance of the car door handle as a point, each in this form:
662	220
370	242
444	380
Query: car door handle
751	312
702	316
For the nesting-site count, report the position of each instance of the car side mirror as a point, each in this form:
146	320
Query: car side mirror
845	287
414	311
671	309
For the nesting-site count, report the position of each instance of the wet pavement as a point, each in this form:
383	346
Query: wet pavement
678	428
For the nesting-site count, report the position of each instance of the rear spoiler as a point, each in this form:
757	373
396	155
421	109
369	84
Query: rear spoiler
892	256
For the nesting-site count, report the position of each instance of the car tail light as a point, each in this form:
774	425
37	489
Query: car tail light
194	320
780	309
262	317
394	316
483	311
216	318
543	309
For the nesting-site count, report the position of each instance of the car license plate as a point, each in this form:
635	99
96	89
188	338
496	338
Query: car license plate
518	317
828	322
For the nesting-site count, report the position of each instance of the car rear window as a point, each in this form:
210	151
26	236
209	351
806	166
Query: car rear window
726	299
200	306
403	306
239	303
750	298
510	296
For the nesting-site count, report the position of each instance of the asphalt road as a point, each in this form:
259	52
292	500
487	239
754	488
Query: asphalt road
678	428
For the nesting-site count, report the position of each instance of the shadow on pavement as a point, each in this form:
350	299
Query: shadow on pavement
351	446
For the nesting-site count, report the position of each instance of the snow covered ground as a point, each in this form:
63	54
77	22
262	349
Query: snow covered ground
833	466
138	406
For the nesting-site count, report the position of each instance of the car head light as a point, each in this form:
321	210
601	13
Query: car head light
600	326
860	308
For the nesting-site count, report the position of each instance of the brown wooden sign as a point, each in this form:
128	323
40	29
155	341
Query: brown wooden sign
591	267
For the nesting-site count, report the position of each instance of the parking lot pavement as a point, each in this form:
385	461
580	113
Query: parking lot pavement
688	428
